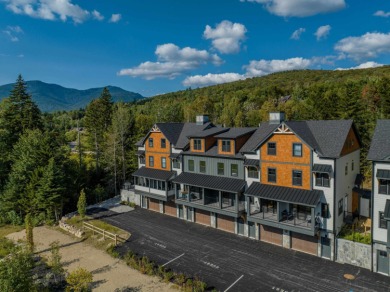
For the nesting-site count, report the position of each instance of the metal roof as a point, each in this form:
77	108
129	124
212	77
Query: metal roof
380	146
234	133
211	182
154	173
284	194
174	155
252	162
323	168
365	193
140	153
387	210
383	173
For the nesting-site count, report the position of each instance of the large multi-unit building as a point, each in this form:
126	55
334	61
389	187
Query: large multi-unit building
285	182
379	154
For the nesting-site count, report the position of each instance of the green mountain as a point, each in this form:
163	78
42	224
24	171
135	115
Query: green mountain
53	97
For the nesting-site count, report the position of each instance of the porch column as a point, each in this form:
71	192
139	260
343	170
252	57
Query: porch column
236	202
247	206
313	219
188	193
203	196
220	199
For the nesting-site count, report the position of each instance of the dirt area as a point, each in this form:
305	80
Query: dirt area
108	273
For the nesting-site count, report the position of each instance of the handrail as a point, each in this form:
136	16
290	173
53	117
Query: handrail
115	237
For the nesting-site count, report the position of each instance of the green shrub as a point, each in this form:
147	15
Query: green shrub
14	218
111	250
180	279
168	275
79	280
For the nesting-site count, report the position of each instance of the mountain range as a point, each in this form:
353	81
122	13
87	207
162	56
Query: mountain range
53	97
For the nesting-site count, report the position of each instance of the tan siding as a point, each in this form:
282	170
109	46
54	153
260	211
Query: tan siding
351	144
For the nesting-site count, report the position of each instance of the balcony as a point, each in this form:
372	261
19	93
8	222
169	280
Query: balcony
212	200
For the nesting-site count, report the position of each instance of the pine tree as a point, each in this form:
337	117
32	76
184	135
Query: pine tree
82	204
29	232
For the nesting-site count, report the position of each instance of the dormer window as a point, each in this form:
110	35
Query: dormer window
226	146
197	144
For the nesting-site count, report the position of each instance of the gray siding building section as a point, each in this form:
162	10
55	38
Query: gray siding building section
212	165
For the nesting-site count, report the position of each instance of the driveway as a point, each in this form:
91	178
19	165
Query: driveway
229	262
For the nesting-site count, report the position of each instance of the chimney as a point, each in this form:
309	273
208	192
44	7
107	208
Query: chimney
276	117
202	119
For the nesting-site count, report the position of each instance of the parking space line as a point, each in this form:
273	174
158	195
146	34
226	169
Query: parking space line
173	260
234	283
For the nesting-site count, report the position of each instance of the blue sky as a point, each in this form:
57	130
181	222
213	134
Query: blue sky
156	46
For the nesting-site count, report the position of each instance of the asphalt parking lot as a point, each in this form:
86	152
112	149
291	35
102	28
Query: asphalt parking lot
228	262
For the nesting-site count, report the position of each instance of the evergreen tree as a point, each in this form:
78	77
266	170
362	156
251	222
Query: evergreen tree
29	232
82	204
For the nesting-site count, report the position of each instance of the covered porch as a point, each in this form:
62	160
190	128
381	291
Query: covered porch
210	193
283	207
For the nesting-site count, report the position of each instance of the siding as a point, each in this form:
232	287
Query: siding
379	204
212	165
157	152
351	143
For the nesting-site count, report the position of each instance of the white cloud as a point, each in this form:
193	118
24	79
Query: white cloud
300	8
381	13
211	79
97	15
226	36
171	62
264	67
48	9
369	45
296	35
322	32
115	18
12	32
365	65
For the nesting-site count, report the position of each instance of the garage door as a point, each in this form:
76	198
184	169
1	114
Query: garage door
170	209
154	205
225	223
202	217
271	234
304	243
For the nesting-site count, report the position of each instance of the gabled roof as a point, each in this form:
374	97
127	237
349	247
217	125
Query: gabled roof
258	137
380	143
226	184
235	133
187	130
208	132
285	194
171	131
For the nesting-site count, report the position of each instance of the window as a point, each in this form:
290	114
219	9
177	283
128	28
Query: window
271	148
297	149
163	162
346	169
384	186
234	169
352	165
253	172
176	163
322	180
340	207
163	143
202	166
324	210
191	165
141	160
272	175
382	221
297	178
197	144
151	161
226	147
151	142
221	168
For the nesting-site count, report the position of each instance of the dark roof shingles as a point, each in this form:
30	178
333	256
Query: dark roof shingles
234	133
380	144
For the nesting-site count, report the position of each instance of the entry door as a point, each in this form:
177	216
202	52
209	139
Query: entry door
180	207
240	226
383	262
325	247
252	229
346	204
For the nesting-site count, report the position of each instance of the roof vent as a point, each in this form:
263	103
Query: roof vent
202	119
276	117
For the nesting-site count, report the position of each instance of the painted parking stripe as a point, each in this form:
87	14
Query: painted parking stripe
234	283
173	260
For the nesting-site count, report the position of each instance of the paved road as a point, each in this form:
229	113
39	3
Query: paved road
228	261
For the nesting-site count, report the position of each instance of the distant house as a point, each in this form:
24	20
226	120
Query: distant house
379	154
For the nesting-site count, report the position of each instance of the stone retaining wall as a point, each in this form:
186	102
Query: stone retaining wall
70	228
353	253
